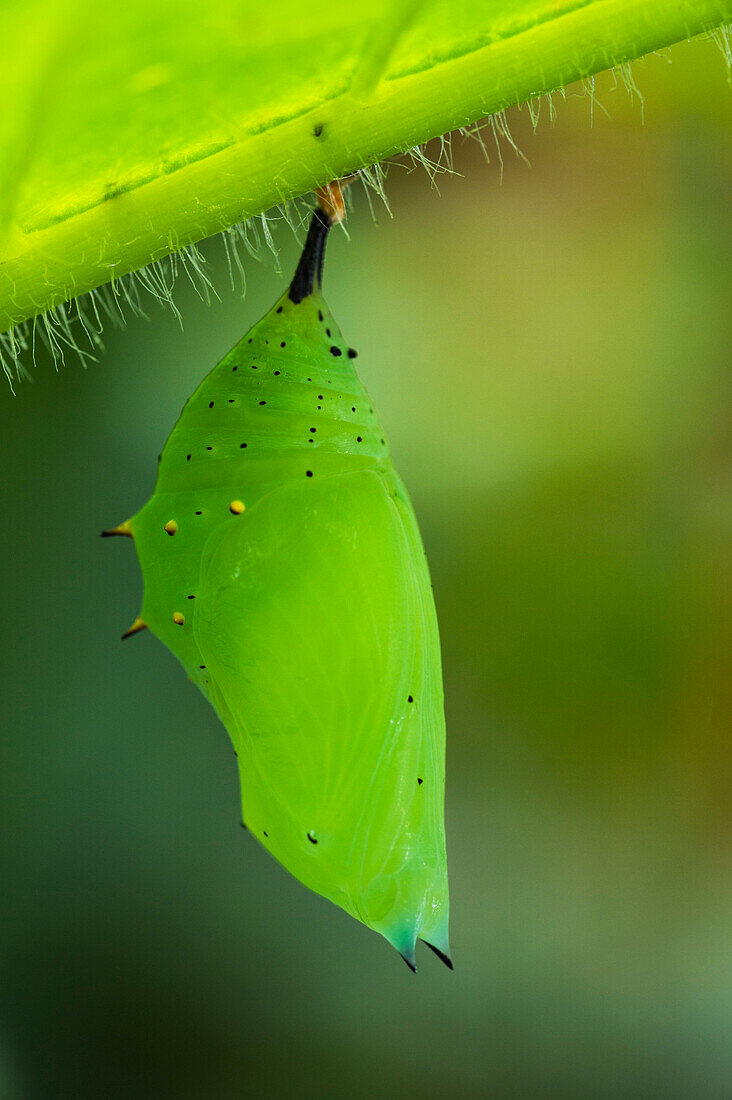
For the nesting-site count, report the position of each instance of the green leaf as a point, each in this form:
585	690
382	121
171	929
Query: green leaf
130	130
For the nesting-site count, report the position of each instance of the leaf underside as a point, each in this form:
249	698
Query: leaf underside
131	130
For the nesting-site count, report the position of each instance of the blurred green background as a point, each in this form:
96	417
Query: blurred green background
549	358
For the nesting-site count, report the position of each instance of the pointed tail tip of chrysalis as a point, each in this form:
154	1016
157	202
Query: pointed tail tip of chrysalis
409	956
404	939
412	965
444	956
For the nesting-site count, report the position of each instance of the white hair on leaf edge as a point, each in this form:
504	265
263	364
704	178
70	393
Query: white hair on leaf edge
76	326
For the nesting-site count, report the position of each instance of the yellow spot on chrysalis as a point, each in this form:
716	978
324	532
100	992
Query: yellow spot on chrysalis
136	627
123	529
178	619
236	507
171	526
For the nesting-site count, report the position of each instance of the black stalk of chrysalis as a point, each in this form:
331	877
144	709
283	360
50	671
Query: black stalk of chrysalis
309	274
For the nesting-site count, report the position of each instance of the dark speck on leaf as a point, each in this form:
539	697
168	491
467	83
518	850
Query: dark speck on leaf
352	353
283	344
320	315
327	332
242	446
308	473
311	838
279	309
410	698
210	404
262	402
420	781
188	458
318	129
335	351
277	372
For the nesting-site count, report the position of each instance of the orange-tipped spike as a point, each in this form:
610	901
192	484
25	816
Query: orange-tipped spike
136	627
123	529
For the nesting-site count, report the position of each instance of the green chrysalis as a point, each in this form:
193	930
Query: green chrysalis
284	568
